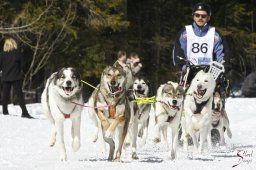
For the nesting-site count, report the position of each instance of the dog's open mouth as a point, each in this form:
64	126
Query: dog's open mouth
139	93
68	90
200	93
174	107
115	89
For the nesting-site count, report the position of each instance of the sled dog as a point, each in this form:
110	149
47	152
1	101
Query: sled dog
168	110
198	110
220	119
139	113
63	88
115	117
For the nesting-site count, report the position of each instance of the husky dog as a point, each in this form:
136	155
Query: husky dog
139	113
198	110
220	119
63	88
128	73
111	92
168	109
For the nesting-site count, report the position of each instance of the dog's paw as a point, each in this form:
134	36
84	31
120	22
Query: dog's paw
157	140
76	144
135	156
117	159
95	138
109	134
51	143
173	155
110	158
63	157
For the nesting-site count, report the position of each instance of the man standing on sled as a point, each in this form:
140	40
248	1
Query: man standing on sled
199	44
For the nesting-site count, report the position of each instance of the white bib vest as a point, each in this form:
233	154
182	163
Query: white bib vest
200	49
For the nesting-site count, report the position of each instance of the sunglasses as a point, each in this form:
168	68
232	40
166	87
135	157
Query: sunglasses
198	15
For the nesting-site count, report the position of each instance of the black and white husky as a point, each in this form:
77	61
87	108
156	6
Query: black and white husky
139	114
220	119
63	88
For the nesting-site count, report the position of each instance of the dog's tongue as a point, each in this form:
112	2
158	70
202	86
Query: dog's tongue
115	89
67	89
175	107
140	93
200	92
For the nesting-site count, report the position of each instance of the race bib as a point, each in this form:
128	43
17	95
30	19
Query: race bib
200	49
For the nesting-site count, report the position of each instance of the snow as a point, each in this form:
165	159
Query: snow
24	145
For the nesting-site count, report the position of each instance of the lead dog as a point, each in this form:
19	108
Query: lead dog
63	88
111	92
168	109
198	110
220	119
139	113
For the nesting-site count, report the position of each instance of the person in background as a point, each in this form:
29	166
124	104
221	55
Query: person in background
134	62
11	61
121	58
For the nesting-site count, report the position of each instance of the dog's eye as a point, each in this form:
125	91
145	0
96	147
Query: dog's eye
206	81
74	77
197	79
62	76
143	83
119	75
109	75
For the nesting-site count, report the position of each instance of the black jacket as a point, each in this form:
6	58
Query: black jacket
11	65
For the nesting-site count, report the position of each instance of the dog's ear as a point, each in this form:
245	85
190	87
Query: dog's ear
167	87
150	88
181	90
58	75
78	75
206	69
117	65
105	70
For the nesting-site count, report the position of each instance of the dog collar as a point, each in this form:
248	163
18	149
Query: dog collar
66	116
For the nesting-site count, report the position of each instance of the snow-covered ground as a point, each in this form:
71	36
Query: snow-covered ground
24	145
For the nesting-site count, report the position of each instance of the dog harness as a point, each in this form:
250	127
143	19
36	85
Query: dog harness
66	116
112	107
170	118
199	107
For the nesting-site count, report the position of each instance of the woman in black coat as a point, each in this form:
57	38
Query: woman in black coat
11	62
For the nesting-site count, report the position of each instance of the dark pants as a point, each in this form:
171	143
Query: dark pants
17	87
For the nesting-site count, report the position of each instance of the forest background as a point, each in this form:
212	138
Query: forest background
87	34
